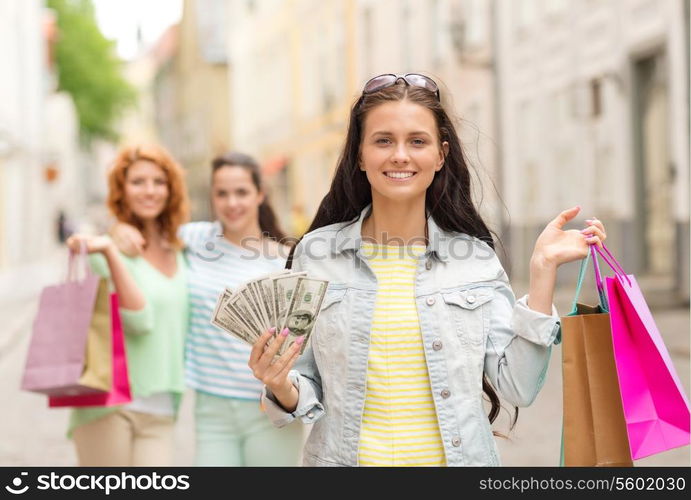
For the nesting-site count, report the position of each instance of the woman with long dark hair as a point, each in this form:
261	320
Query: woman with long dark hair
245	242
419	319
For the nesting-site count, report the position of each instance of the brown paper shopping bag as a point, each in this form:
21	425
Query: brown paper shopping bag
594	429
98	365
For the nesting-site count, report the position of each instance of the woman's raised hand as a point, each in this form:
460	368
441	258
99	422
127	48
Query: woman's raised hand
92	244
556	246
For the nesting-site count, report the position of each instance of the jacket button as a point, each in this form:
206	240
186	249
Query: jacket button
428	264
310	414
456	442
470	299
445	393
430	301
436	345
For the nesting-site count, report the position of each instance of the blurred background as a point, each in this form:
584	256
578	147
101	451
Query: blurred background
558	102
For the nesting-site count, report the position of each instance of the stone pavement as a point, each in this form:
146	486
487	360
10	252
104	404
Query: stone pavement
33	435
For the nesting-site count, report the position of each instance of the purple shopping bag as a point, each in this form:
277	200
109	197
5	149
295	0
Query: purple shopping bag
120	393
656	408
55	363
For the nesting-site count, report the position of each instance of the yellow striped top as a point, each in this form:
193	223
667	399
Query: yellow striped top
399	423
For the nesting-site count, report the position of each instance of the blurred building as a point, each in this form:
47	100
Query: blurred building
22	64
558	103
292	83
40	161
139	123
299	65
594	111
191	94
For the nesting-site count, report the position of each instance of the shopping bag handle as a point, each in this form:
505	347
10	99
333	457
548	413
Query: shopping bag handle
611	262
80	256
598	280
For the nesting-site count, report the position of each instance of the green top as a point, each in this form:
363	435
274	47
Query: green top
154	335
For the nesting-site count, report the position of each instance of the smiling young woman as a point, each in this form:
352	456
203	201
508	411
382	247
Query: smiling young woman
411	336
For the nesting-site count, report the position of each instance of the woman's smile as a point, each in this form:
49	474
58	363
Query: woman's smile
399	175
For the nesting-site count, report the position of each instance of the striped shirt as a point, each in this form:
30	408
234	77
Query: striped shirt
399	423
215	362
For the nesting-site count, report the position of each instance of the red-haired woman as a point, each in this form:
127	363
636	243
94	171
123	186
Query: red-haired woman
146	189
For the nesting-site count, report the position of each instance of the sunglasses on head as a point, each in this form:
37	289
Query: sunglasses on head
413	79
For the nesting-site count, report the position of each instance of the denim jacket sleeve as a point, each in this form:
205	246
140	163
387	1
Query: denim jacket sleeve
519	345
306	379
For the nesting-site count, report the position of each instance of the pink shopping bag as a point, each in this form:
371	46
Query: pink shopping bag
656	408
120	393
56	360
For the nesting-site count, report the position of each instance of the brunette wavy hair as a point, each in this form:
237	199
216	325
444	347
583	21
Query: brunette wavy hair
448	199
176	211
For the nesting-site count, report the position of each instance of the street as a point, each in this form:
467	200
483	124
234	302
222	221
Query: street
34	435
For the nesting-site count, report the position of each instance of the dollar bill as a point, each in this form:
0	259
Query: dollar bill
266	291
281	299
238	307
251	301
222	299
230	325
284	286
262	302
227	322
304	308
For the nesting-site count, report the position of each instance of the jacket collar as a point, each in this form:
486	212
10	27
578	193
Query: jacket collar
349	237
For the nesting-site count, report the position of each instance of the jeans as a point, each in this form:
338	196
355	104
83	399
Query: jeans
235	432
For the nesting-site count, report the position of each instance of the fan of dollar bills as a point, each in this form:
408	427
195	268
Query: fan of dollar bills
280	300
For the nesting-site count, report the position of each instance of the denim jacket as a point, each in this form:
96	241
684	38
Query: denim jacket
470	322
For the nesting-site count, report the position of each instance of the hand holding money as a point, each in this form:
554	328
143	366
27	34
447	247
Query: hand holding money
281	301
272	371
